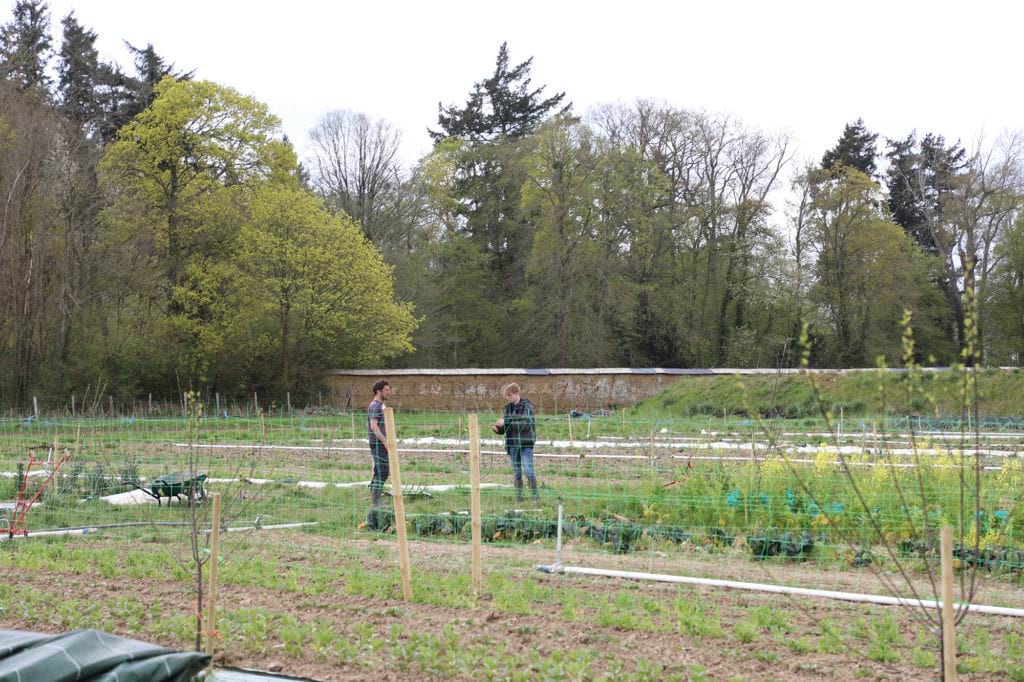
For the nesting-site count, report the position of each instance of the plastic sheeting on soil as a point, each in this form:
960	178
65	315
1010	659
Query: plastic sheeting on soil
92	655
242	675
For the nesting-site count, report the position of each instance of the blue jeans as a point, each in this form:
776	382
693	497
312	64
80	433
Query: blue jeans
522	463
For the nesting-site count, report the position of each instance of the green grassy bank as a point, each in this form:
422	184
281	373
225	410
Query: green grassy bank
936	395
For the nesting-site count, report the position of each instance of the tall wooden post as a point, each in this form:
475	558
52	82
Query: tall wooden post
396	486
570	429
948	633
211	604
474	498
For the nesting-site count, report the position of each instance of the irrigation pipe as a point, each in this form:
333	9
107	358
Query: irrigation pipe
777	589
795	460
589	445
84	530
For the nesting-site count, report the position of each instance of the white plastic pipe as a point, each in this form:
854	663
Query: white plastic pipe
273	527
68	531
778	589
83	531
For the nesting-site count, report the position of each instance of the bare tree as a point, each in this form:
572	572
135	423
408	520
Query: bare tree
963	203
984	202
30	247
355	168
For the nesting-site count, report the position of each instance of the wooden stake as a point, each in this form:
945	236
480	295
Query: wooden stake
217	398
570	429
35	407
396	487
211	603
948	633
474	498
288	402
72	404
256	403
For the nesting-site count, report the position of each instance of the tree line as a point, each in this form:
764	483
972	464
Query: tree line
160	232
157	235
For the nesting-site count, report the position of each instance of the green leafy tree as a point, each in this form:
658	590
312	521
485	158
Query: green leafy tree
178	177
867	269
463	325
1005	300
564	297
181	164
304	292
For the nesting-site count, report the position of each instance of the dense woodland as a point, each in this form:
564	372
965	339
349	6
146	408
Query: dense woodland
159	233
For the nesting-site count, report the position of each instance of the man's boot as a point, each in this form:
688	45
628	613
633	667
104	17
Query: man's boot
533	488
519	490
373	518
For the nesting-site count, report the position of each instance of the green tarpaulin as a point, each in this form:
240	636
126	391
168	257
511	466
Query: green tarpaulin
92	656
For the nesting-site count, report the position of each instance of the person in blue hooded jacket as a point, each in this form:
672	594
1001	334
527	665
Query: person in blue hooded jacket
520	429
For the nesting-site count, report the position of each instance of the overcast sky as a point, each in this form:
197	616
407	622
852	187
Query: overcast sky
954	68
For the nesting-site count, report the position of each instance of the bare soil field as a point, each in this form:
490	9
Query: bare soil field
609	628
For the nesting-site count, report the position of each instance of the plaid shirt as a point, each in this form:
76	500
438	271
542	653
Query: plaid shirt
520	425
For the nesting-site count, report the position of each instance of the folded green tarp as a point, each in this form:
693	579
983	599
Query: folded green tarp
92	656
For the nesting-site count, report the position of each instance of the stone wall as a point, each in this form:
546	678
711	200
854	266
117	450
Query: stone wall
480	390
550	390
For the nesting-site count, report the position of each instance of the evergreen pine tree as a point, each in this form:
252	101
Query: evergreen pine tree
92	92
855	149
500	106
150	69
918	176
25	46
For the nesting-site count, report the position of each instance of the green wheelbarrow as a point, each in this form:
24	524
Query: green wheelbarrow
188	488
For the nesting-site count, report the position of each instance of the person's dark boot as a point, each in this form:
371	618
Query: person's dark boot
533	489
519	490
373	521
